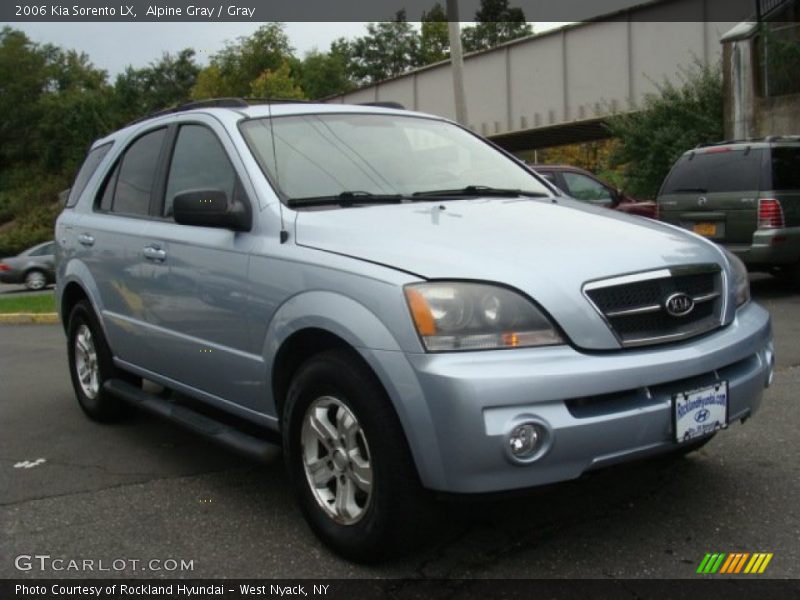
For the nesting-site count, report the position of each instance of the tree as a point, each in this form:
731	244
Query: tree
672	120
167	82
496	24
434	42
233	69
276	84
389	48
322	74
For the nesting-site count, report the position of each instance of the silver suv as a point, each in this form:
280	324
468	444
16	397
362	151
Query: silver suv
405	307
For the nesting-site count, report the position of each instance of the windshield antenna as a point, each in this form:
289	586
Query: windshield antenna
284	235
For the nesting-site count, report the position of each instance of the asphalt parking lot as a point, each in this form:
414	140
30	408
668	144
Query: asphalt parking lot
147	490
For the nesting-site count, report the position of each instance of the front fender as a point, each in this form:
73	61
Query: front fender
367	334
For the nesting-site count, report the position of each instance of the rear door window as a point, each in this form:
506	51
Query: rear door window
786	169
134	181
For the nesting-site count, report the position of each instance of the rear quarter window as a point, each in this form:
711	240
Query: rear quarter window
89	166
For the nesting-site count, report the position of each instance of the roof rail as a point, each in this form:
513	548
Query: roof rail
384	104
210	103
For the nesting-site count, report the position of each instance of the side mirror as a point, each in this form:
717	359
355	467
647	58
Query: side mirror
211	208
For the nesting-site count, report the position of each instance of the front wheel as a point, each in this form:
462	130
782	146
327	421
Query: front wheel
349	461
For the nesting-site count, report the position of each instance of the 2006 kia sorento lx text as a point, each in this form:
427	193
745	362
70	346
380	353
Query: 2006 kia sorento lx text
411	309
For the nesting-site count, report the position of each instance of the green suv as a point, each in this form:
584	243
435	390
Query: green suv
744	195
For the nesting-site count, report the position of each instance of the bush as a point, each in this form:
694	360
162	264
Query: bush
672	121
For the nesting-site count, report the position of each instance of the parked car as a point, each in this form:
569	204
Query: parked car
35	267
744	195
583	185
440	323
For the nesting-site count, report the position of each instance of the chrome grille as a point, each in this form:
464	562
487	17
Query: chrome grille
635	306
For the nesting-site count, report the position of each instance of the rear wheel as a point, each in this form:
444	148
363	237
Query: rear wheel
35	280
91	365
349	462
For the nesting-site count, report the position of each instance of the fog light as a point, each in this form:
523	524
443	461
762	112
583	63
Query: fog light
524	440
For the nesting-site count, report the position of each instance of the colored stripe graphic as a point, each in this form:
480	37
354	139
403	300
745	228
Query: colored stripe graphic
734	563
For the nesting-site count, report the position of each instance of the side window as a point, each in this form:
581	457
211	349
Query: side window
135	175
582	187
786	168
45	250
199	162
89	166
549	175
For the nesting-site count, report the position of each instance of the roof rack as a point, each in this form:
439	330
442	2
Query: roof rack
767	139
243	103
384	104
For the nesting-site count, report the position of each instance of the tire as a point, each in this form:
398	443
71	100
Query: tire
35	280
91	364
371	506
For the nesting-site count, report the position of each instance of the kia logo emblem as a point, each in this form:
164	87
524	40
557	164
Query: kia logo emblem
679	304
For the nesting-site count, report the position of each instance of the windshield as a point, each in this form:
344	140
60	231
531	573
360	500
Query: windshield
329	155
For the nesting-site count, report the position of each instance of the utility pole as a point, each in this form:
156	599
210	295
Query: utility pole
457	61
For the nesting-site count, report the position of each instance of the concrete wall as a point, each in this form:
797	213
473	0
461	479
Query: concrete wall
575	74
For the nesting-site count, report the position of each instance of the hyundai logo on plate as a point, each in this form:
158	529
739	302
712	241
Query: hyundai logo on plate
702	415
679	304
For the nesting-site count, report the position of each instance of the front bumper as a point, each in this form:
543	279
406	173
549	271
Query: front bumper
598	408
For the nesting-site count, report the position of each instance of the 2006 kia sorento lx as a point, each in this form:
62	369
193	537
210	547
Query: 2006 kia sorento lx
409	307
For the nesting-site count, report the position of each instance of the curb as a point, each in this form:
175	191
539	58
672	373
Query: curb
29	319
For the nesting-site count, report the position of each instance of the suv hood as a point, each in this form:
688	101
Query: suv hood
547	250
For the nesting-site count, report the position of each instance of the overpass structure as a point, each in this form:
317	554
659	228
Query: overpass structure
559	86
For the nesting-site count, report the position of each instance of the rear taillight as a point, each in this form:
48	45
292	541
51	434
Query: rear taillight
770	214
4	267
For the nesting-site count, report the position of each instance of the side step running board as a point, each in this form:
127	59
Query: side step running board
215	431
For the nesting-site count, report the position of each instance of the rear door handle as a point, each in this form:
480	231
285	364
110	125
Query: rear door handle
155	253
85	239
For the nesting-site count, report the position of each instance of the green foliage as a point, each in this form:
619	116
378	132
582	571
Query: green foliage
323	74
233	69
389	48
276	84
167	82
677	118
434	39
779	51
496	24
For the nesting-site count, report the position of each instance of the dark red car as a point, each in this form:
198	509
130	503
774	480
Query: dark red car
582	185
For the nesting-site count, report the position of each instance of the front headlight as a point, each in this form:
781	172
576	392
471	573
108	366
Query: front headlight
740	281
475	316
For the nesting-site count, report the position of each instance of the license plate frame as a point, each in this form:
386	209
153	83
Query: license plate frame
700	412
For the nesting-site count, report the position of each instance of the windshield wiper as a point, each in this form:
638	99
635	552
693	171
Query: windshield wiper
347	199
481	190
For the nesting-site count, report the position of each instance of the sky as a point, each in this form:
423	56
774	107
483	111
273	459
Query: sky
113	46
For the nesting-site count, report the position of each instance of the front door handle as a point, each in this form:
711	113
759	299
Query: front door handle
155	253
86	240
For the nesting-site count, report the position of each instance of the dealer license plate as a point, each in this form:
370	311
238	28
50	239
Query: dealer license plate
706	229
700	412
